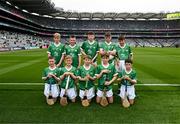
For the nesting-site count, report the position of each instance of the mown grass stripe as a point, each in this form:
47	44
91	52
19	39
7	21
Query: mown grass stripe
18	66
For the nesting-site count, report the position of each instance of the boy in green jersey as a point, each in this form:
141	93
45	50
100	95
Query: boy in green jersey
86	75
106	75
123	52
50	76
127	79
68	75
90	47
56	50
74	51
108	47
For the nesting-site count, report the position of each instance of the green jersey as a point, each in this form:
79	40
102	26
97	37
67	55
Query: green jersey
131	74
56	51
74	52
123	53
49	70
105	77
90	48
71	80
108	47
82	72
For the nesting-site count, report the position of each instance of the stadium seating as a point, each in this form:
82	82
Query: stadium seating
137	32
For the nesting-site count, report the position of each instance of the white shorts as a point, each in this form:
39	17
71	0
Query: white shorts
130	91
54	90
90	93
100	93
121	66
71	93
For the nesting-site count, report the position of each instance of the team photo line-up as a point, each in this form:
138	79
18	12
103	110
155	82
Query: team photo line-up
65	71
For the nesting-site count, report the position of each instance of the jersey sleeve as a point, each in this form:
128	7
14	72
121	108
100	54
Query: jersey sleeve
63	49
134	76
78	73
120	75
49	49
79	50
60	72
83	46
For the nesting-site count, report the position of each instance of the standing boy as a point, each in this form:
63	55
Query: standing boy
56	50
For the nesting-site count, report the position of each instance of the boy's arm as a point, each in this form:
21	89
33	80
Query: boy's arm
130	53
73	76
79	58
111	81
82	48
55	77
61	60
95	56
49	51
82	51
64	75
91	78
101	73
82	79
62	57
132	81
44	76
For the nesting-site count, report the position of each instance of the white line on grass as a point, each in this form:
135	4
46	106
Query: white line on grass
31	84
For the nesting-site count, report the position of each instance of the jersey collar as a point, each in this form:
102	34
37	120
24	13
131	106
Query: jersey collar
105	66
91	42
72	46
57	44
86	67
108	43
128	72
68	68
52	68
122	46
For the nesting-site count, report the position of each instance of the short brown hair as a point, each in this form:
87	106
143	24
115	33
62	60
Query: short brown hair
106	55
68	57
72	36
121	37
90	33
107	34
50	57
87	56
128	61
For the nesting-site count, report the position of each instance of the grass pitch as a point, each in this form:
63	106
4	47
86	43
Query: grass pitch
154	104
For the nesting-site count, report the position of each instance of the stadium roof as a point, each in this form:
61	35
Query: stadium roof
42	7
46	7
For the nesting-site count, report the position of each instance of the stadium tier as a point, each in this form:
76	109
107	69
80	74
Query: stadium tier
147	32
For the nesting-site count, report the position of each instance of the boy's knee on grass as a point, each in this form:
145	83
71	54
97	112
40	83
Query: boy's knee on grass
110	99
73	100
131	101
98	99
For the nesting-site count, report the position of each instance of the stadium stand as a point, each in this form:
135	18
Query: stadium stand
139	33
15	41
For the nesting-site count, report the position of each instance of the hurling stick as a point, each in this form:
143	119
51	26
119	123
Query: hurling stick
63	100
85	101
